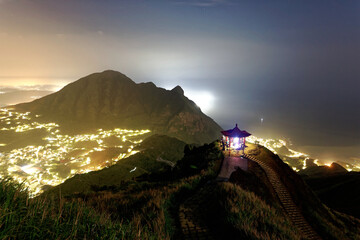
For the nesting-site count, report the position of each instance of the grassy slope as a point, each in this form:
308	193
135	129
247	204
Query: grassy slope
155	146
147	209
249	215
24	218
131	210
339	192
327	222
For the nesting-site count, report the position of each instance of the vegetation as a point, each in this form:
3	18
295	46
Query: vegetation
148	207
25	218
246	215
338	191
328	223
154	148
132	210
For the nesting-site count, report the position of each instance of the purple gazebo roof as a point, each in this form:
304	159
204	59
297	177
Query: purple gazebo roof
235	132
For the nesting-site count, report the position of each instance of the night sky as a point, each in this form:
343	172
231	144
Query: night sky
295	64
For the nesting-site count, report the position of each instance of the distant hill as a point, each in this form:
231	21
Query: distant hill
321	171
335	186
110	99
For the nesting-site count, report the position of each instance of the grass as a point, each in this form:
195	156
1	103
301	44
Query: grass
40	218
147	208
252	217
131	210
234	213
328	223
168	148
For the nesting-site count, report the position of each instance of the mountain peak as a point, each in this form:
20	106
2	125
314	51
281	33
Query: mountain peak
335	167
178	90
113	72
110	99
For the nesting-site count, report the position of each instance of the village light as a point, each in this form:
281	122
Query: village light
29	169
41	162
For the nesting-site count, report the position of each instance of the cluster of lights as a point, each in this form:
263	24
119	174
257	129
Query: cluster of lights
38	166
275	144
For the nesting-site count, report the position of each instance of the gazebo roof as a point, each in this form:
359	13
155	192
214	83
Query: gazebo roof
235	132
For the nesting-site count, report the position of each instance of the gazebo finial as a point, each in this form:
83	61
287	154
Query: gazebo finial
236	125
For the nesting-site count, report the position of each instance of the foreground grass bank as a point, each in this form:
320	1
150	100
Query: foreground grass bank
131	210
148	207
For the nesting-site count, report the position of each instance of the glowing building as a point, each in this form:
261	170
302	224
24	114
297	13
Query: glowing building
235	138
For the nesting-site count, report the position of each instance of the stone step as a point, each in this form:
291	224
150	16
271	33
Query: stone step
286	199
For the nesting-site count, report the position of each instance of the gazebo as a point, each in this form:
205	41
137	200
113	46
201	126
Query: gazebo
235	138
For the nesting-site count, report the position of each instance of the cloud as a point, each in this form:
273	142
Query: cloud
203	3
60	35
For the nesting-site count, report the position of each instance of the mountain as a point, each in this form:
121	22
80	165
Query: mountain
335	186
110	99
321	171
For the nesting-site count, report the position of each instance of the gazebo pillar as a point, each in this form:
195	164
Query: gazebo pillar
244	145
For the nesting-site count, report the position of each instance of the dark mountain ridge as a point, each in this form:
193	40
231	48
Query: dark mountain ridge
111	99
335	186
323	171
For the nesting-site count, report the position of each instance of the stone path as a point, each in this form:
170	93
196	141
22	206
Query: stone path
286	200
193	227
229	166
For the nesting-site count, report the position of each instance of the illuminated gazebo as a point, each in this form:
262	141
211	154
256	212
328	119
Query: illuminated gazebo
235	138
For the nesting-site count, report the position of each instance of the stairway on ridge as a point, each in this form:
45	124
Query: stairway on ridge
286	200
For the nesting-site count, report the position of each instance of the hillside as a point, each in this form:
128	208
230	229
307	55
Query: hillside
335	186
246	207
323	171
110	99
326	222
155	153
338	191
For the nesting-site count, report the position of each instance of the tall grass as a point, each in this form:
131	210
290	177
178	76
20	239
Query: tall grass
24	218
334	225
138	210
250	216
141	210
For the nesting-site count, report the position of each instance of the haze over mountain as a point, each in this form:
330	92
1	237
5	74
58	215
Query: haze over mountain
11	96
111	99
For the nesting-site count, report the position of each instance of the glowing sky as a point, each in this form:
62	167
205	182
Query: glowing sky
294	64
